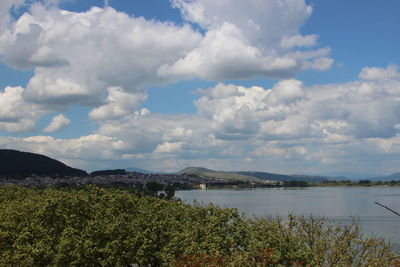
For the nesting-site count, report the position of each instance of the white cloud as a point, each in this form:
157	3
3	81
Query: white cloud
119	103
289	128
5	7
373	73
252	17
89	151
17	115
57	123
239	41
234	116
78	56
285	92
10	101
168	147
299	40
295	128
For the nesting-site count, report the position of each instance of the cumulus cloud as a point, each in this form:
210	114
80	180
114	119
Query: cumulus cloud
78	56
27	51
119	103
57	123
91	148
291	126
288	128
373	73
16	114
233	115
5	7
299	40
105	60
239	41
253	18
168	147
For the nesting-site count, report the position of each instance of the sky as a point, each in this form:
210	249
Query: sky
284	86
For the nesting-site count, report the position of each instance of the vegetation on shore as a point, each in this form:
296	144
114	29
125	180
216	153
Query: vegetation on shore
94	226
364	182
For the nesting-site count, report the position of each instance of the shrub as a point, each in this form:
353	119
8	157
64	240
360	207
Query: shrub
109	227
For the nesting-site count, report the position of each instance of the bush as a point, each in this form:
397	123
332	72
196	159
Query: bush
108	227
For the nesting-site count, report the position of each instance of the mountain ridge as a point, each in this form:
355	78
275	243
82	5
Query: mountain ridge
391	177
208	173
19	165
249	175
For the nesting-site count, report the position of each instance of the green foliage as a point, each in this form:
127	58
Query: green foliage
295	183
365	182
170	191
93	226
154	187
207	173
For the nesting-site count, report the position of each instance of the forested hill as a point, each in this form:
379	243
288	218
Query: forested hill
207	173
108	172
281	177
248	175
393	177
19	165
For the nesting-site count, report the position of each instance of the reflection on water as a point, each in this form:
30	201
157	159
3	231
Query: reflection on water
338	204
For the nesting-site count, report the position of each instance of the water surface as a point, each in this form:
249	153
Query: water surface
339	204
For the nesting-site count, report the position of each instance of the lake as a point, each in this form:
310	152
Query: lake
338	204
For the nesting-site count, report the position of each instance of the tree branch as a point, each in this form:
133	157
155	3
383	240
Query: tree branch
398	214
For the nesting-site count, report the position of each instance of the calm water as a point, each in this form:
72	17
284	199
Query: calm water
338	204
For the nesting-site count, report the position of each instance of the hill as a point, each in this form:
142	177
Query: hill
207	173
316	178
19	165
249	175
108	172
282	177
133	169
392	177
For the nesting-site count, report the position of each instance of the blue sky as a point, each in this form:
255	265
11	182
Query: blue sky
280	86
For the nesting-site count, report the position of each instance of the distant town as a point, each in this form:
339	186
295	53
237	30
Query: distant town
134	179
30	169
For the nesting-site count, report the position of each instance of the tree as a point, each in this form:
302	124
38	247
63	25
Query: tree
170	191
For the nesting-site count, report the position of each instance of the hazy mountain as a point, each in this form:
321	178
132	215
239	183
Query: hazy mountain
394	176
132	169
19	165
282	177
316	178
267	176
249	175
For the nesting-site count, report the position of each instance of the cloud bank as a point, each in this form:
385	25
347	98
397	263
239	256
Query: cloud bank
288	128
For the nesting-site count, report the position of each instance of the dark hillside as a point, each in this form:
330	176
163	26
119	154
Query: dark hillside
19	165
108	172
